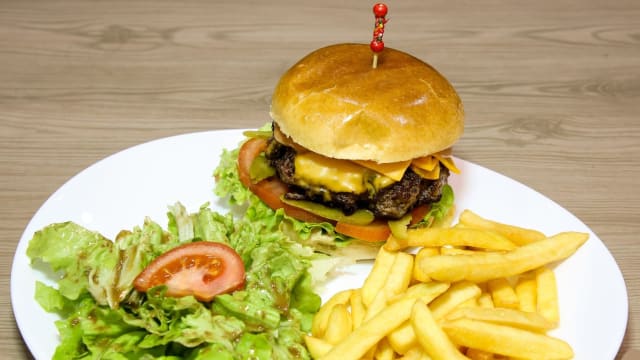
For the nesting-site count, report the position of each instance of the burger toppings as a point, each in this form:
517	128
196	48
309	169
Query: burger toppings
348	186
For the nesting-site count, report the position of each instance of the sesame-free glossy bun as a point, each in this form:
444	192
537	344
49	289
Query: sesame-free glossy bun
335	103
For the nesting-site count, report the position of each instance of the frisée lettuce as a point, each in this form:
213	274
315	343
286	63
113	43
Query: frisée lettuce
104	317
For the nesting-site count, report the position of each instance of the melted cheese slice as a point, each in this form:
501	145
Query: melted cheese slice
336	175
427	174
427	163
393	170
448	163
357	177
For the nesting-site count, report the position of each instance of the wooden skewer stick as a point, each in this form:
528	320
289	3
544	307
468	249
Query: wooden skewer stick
377	45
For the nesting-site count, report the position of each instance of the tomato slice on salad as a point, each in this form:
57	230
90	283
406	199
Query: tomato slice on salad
203	269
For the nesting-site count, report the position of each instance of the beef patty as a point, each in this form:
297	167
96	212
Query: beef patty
391	202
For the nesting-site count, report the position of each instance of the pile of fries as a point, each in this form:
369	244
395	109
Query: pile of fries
477	290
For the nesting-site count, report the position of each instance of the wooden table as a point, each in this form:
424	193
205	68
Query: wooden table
551	91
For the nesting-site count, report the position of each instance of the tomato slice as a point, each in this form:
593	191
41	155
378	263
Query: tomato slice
203	269
376	231
419	212
248	152
268	190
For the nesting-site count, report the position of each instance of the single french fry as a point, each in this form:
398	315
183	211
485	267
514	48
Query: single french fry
430	237
399	275
475	354
424	252
503	294
339	325
430	336
378	275
519	235
384	351
516	318
547	292
369	355
358	310
473	302
396	282
449	250
485	266
505	340
317	347
415	353
426	292
378	303
485	300
371	331
526	290
457	294
403	338
320	320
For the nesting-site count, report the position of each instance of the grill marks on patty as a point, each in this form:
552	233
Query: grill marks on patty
391	202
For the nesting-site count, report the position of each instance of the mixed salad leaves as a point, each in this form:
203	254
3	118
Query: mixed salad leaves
103	316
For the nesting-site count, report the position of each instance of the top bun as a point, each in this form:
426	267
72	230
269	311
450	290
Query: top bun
334	103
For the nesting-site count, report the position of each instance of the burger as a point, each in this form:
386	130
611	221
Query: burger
360	147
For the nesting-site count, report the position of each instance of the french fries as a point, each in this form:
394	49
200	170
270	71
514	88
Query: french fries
516	234
321	319
429	237
506	340
371	331
526	290
423	253
516	318
483	266
502	294
341	324
547	294
431	336
403	338
378	275
456	295
481	290
317	347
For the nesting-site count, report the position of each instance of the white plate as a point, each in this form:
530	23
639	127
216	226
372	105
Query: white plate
118	192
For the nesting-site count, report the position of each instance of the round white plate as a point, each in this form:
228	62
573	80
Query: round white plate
120	191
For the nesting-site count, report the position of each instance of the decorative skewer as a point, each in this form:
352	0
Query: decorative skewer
377	45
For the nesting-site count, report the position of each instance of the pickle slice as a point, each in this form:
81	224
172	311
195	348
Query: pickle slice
399	227
263	134
359	217
260	169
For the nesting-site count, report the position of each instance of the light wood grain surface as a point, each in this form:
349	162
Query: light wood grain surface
551	91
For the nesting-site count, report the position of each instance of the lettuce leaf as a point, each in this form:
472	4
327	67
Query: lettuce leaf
440	211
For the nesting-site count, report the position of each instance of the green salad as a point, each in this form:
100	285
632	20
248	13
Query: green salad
104	317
